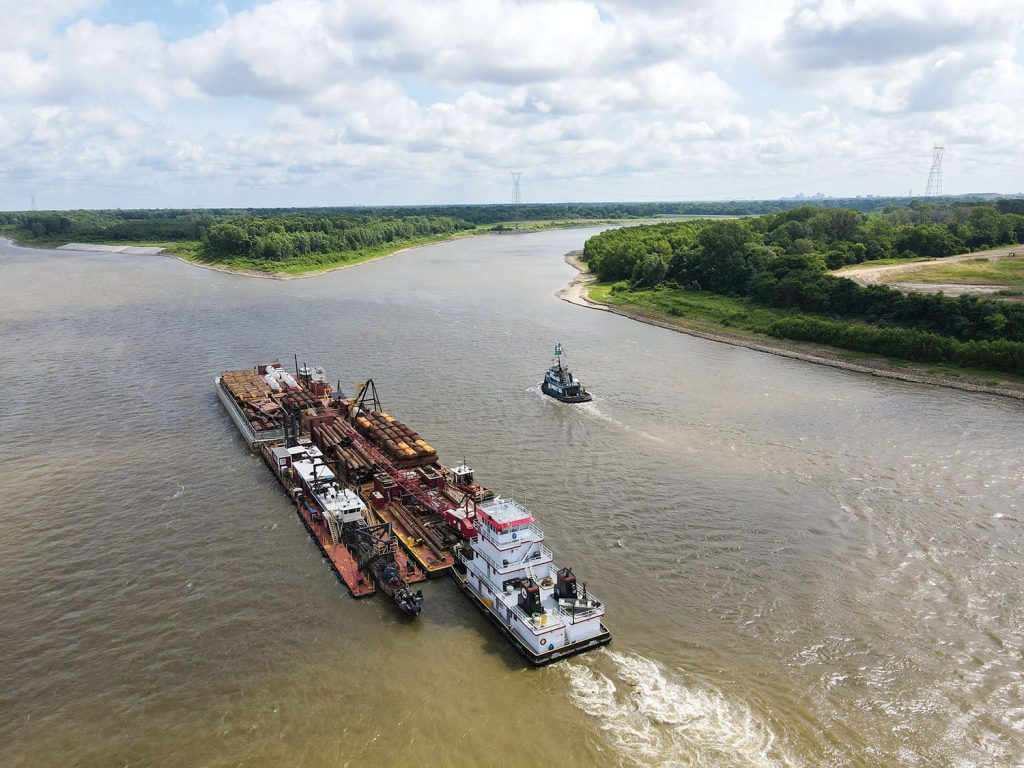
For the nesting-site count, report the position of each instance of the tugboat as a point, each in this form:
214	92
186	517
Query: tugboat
509	574
560	384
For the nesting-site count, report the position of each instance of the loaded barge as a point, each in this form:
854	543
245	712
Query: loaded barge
387	514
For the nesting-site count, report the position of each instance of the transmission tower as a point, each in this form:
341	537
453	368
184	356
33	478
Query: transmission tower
517	198
934	186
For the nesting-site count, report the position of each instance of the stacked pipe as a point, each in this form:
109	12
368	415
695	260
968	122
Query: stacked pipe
258	419
299	398
245	386
331	442
404	445
419	528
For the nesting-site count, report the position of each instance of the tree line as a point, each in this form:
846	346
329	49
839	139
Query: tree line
781	260
281	238
840	236
192	224
905	343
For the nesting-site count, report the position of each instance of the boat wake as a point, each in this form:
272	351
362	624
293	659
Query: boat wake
593	409
654	716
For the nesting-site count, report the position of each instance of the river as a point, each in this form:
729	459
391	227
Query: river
803	566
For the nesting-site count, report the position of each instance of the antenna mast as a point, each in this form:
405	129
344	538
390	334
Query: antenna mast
934	187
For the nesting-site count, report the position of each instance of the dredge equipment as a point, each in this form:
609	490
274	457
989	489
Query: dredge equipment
374	549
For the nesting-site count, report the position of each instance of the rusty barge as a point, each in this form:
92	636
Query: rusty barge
387	514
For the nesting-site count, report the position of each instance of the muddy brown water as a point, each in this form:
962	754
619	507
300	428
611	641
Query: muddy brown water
802	566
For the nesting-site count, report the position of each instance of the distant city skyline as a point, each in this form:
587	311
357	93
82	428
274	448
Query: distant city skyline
304	103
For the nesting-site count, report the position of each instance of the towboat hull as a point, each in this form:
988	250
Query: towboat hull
535	659
583	397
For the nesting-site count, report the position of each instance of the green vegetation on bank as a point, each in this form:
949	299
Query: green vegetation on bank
734	313
297	240
300	243
160	225
773	270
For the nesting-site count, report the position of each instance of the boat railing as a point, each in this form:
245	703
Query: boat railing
538	535
537	621
537	552
573	616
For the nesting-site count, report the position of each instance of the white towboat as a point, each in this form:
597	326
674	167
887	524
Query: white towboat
511	577
343	505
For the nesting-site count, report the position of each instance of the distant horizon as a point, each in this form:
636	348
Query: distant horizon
524	204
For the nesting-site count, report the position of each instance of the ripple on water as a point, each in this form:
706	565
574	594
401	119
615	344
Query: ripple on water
802	565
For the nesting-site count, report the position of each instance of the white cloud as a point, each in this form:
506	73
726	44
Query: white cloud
593	99
893	58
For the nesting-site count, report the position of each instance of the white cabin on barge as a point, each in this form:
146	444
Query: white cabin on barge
512	578
306	463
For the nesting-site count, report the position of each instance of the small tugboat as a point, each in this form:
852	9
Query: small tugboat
560	384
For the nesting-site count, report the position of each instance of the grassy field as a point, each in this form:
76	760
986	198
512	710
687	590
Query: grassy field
1007	272
720	312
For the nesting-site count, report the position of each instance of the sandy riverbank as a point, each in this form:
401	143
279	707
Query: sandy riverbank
577	292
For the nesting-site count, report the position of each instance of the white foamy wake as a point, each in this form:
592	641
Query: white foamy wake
656	717
593	409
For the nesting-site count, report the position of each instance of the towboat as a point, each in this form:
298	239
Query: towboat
510	576
376	500
560	384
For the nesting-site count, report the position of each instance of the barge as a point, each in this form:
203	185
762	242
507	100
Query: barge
386	513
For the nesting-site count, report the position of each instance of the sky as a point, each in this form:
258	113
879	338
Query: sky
294	103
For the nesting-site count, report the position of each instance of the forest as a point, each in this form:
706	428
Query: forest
280	238
782	260
165	225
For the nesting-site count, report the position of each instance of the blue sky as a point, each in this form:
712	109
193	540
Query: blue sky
301	102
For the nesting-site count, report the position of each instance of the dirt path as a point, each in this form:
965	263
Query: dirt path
577	293
872	274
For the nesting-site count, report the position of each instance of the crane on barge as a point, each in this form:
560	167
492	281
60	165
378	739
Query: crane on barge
374	549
